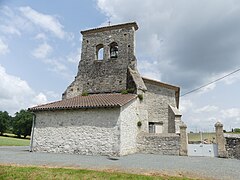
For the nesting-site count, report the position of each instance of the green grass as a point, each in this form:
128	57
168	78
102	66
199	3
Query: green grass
12	141
14	136
22	173
194	137
233	132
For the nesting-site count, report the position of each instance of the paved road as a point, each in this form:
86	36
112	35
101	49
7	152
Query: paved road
201	167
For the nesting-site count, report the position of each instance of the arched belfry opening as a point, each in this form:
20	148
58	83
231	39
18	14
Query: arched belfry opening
99	52
107	55
113	50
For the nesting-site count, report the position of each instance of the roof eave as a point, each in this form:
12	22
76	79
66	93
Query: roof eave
71	108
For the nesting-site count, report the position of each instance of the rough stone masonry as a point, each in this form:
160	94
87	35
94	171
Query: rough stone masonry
106	74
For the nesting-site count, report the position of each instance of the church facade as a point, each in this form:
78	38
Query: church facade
109	108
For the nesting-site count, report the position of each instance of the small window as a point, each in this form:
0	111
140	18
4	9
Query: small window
99	52
151	127
113	50
155	127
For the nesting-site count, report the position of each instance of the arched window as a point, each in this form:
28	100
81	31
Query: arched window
113	50
99	52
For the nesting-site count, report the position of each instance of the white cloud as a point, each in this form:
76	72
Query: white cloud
231	113
12	23
206	109
232	78
74	57
186	105
3	47
16	94
191	40
41	36
47	22
53	94
10	29
40	98
6	11
56	66
42	51
38	26
148	70
18	21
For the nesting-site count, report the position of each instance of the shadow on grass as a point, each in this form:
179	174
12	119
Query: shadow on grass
14	136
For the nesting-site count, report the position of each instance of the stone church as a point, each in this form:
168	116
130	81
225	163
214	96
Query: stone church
109	108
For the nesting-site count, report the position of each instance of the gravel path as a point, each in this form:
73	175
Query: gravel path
201	167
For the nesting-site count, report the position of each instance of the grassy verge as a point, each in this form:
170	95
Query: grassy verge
195	137
20	173
14	136
10	141
233	132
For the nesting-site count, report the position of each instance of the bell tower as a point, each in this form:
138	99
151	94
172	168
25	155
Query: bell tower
106	56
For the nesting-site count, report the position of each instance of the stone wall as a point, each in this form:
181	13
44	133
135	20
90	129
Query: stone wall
233	145
171	120
128	128
79	131
168	144
157	100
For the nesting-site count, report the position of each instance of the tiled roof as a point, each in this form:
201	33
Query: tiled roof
90	101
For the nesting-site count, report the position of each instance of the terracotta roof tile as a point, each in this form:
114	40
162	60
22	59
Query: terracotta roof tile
90	101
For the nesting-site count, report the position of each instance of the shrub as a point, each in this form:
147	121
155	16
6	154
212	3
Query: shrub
124	92
84	93
139	123
140	96
237	130
131	90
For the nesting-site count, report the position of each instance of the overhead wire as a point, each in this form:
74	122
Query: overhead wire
196	89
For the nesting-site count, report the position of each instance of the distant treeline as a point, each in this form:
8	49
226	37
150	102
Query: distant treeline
19	125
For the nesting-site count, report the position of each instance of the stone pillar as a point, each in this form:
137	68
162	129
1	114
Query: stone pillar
220	140
183	140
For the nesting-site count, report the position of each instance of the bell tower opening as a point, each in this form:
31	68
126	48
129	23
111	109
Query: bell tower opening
113	50
99	52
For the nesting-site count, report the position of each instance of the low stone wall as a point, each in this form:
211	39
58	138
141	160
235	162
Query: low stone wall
233	145
164	144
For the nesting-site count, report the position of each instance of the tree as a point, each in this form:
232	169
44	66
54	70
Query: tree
22	123
237	130
4	121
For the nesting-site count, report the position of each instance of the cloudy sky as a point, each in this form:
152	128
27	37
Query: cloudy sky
187	43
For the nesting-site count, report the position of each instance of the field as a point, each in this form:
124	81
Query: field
20	173
12	141
196	137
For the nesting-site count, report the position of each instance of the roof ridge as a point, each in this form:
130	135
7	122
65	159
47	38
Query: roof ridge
98	29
